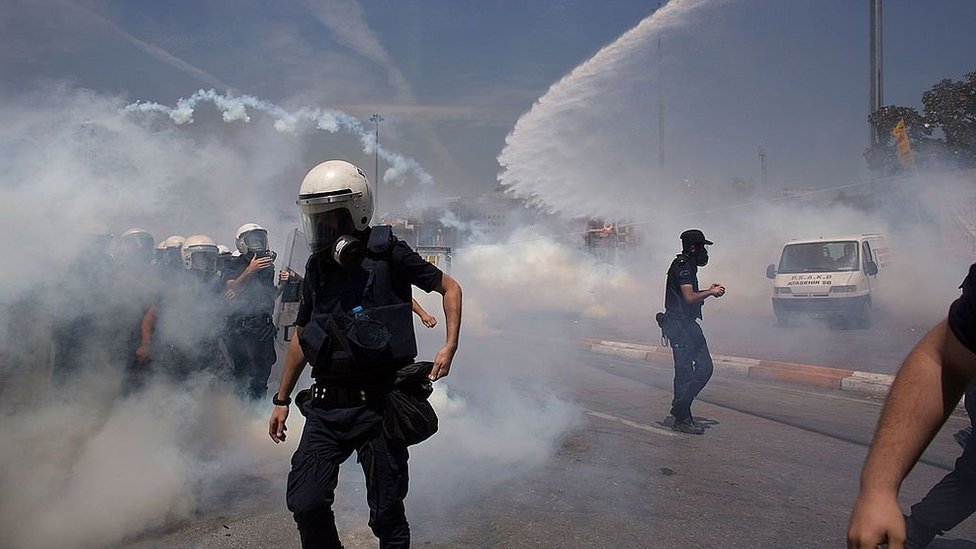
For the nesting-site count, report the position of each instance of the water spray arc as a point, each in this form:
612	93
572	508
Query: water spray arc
235	109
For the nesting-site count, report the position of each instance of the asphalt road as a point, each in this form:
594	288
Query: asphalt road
777	467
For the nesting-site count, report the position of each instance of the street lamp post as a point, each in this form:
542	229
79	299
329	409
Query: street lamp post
376	119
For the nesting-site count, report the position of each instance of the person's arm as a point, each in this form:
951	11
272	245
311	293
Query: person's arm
425	317
692	297
294	364
146	328
256	264
451	292
927	388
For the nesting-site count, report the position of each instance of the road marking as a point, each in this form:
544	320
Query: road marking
634	424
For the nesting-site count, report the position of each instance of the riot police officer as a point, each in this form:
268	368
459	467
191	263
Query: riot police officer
683	304
250	284
182	331
135	291
357	277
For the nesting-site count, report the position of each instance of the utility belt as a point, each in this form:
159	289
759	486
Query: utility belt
339	397
255	322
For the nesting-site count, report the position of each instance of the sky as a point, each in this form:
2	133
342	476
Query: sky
451	79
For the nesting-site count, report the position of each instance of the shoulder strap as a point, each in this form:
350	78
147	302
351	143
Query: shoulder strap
380	242
667	279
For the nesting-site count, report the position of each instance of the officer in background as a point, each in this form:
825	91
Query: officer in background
683	308
181	332
345	412
933	377
135	294
250	287
78	331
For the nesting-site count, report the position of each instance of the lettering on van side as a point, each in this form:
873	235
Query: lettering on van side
810	280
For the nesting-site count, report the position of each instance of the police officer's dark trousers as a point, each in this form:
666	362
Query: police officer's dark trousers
331	435
692	364
250	344
953	499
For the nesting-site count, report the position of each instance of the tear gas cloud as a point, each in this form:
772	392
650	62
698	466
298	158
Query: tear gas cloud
582	151
89	467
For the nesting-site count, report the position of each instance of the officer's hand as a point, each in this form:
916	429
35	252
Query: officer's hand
142	353
442	363
276	426
876	519
283	277
717	290
230	294
259	263
429	321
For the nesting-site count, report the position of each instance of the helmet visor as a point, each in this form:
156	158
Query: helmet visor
324	228
203	260
140	243
256	241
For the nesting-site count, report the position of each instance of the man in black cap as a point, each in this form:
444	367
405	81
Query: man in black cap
683	303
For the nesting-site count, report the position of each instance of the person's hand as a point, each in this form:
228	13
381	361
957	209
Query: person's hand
259	263
717	290
283	276
142	353
428	320
876	519
442	362
276	426
230	294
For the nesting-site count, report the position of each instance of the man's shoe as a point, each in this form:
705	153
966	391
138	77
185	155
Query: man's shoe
689	427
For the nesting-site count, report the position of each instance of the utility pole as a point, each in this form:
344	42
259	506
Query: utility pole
762	172
660	103
376	119
877	48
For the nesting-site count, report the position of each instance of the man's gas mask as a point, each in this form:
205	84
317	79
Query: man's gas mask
699	255
335	236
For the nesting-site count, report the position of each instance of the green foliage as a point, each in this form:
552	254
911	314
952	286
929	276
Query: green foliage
944	134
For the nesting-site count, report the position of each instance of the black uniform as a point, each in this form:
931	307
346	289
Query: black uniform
190	321
692	362
953	499
250	329
351	420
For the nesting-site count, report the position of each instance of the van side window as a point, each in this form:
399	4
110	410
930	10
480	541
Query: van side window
866	252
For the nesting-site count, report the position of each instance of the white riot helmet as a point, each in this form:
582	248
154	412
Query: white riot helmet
336	201
223	251
200	254
136	245
252	237
175	241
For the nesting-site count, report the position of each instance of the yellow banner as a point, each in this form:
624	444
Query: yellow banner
903	145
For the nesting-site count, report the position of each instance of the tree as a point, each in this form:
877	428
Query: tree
950	105
881	157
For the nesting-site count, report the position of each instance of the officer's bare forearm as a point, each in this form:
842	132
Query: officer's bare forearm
239	282
148	325
294	364
451	291
927	388
692	297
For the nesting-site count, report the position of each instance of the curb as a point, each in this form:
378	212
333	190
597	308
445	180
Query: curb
852	381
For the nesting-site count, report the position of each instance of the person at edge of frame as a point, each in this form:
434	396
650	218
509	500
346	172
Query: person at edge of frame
927	388
683	308
345	410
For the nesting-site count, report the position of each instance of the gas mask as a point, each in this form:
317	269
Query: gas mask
333	234
698	256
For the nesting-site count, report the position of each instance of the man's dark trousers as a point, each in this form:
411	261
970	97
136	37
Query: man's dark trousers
250	344
692	365
331	435
953	499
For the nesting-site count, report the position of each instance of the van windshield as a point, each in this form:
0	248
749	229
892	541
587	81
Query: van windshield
819	257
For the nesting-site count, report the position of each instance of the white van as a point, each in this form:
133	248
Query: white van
829	278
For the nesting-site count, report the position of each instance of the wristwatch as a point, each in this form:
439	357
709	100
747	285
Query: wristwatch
277	402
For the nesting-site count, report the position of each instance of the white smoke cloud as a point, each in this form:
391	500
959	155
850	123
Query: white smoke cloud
235	109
